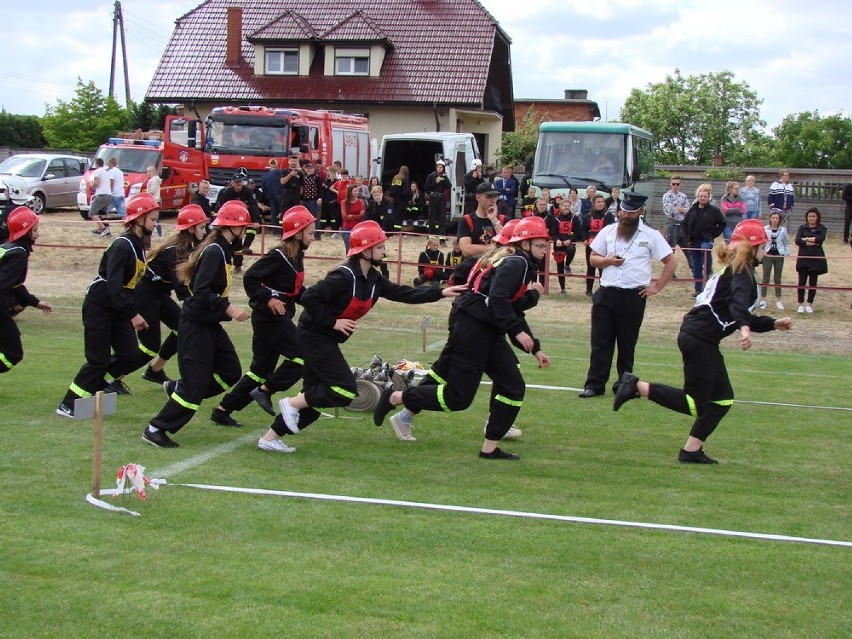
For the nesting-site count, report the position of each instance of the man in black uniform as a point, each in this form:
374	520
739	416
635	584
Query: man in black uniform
291	185
472	179
238	191
478	229
436	186
200	198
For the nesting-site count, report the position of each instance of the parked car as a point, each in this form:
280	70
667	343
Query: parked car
53	180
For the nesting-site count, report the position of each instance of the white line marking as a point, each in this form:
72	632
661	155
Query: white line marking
197	460
516	513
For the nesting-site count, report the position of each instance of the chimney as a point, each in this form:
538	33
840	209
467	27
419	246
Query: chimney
576	94
234	36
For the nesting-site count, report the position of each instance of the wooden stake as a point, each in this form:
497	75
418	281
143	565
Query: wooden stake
97	444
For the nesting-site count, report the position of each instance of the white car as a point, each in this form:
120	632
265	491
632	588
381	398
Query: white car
53	180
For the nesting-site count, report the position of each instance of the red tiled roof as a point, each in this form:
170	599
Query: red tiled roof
440	52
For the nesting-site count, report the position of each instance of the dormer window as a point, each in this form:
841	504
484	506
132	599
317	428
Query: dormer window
282	62
352	62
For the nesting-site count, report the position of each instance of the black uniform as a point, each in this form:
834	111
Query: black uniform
245	196
552	226
4	217
563	255
430	266
14	260
592	225
208	363
471	181
204	203
291	190
273	276
436	188
400	192
108	307
725	305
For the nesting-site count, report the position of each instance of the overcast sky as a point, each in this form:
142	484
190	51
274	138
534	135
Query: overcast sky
794	54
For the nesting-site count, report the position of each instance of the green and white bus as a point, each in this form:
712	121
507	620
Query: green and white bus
600	154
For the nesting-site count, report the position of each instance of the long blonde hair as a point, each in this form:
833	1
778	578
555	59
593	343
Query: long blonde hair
186	270
739	256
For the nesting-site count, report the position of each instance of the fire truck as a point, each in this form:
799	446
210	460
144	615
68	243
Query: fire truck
133	154
247	137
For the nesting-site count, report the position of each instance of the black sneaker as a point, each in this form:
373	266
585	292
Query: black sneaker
169	387
263	399
499	454
626	390
695	457
384	406
159	439
224	419
64	410
158	377
118	387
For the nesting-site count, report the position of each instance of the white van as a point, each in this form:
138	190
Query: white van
419	152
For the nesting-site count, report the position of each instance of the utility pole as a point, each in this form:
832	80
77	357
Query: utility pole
118	28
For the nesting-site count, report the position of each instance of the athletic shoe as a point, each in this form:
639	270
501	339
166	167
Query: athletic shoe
118	387
96	231
761	304
384	406
169	387
274	446
499	454
248	251
779	305
809	308
224	419
801	309
64	410
626	390
105	233
237	270
159	439
402	429
563	292
695	457
289	414
158	377
263	399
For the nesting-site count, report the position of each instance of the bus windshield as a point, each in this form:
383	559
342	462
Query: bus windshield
578	159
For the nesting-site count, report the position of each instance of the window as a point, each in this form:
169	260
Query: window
56	168
352	64
282	62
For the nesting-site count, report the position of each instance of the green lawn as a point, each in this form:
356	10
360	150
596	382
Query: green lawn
212	564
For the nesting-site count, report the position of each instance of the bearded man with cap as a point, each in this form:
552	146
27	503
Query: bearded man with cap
624	251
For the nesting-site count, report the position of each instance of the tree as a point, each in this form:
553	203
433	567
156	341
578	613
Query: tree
84	122
141	116
696	118
518	146
21	131
806	140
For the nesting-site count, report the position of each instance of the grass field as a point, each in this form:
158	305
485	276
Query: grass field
212	564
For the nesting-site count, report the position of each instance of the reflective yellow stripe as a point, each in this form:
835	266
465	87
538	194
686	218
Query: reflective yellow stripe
510	402
79	392
180	400
5	361
147	351
256	378
296	360
723	402
691	404
436	377
343	392
441	401
220	381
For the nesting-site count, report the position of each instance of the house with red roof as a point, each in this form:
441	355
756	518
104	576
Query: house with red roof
409	65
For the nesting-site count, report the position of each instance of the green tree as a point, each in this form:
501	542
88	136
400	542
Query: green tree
696	118
21	131
518	146
142	116
84	122
160	118
807	140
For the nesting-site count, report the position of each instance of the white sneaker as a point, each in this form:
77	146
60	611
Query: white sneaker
779	305
402	429
761	304
808	308
274	446
289	414
801	309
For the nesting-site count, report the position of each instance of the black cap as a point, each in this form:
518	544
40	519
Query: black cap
486	188
633	201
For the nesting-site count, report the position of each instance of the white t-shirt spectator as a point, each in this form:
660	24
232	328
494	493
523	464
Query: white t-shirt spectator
100	180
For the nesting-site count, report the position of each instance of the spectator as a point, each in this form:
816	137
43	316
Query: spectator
586	203
430	264
591	225
272	187
400	193
291	185
675	206
415	209
811	262
574	199
200	197
564	246
437	186
116	184
733	208
530	201
750	194
703	224
477	230
613	202
312	189
152	186
507	186
781	196
847	212
472	179
352	211
777	248
101	198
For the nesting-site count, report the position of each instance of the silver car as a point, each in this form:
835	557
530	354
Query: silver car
53	180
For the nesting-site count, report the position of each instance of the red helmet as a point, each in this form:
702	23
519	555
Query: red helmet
365	235
751	231
189	216
505	234
295	219
140	204
232	213
20	221
530	228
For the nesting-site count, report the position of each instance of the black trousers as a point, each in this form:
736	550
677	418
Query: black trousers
110	347
474	348
617	315
563	260
208	366
707	394
156	307
11	349
436	214
590	271
272	337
